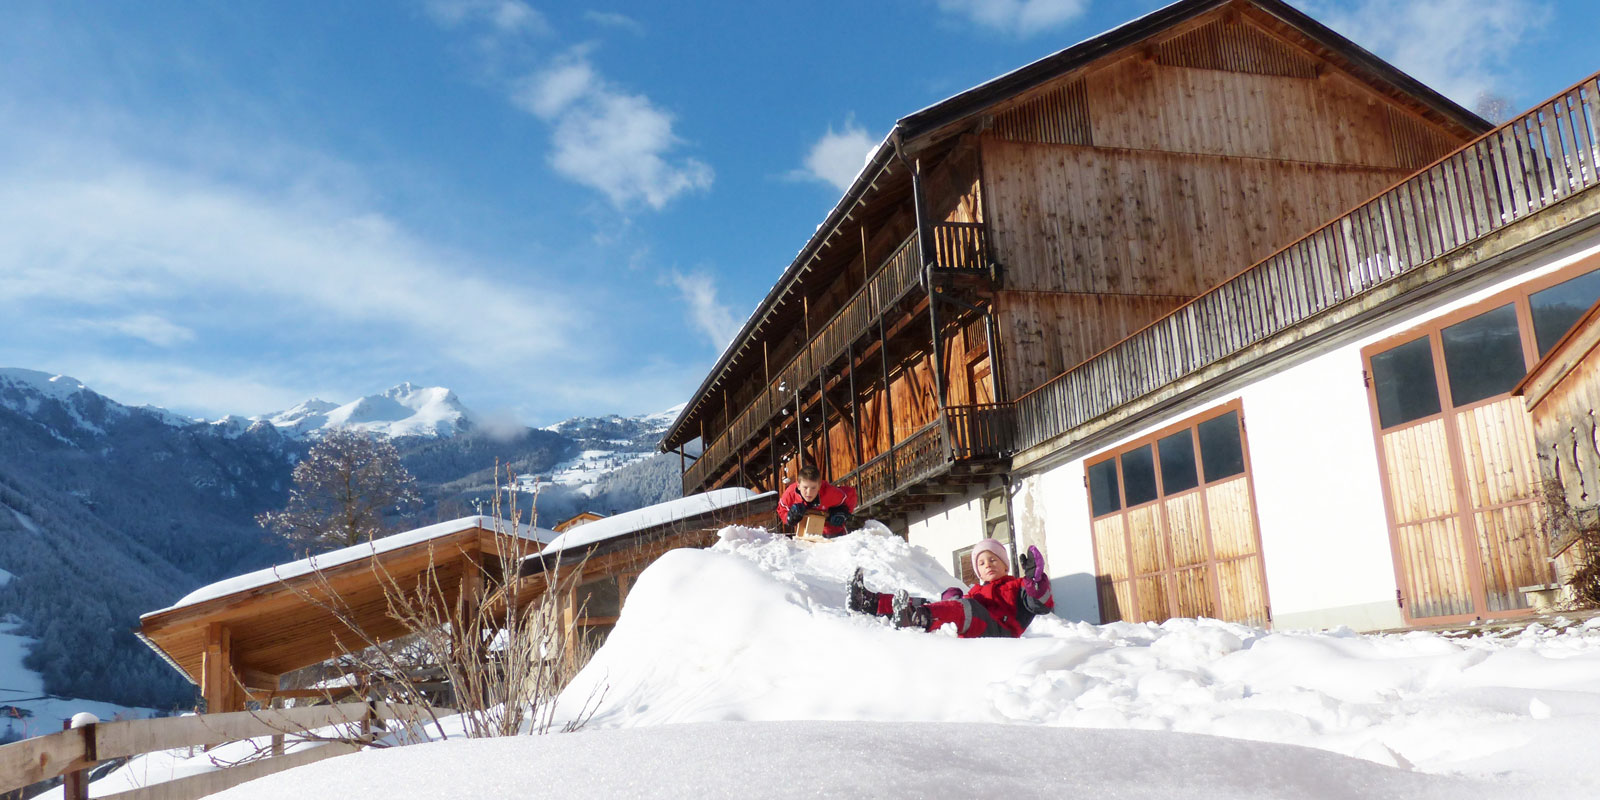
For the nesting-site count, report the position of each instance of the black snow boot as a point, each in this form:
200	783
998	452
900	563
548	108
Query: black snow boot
911	612
862	600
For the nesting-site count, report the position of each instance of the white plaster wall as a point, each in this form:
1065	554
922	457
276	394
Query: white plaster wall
1314	464
1051	511
957	524
1319	499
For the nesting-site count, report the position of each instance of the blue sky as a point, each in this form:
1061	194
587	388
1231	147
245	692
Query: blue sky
554	209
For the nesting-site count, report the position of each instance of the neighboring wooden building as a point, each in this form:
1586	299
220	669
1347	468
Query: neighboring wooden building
576	520
1098	303
597	563
1562	392
248	630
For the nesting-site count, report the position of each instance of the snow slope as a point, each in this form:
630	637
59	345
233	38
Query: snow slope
786	650
735	672
856	760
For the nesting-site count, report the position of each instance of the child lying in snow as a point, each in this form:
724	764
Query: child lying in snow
1000	605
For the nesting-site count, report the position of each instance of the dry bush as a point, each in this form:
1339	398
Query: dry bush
1564	522
497	659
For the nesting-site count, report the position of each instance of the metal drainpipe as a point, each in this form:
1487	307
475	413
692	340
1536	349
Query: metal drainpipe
925	245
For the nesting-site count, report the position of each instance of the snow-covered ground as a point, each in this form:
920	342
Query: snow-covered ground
735	671
584	469
23	688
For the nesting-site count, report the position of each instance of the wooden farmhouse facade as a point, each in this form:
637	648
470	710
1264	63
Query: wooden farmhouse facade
1198	307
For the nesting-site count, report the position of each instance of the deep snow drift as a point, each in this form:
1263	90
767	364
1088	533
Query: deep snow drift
781	692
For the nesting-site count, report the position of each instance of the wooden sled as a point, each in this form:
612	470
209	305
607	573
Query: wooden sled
810	528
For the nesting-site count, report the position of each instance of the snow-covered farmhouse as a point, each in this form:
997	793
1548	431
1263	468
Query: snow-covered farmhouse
1217	308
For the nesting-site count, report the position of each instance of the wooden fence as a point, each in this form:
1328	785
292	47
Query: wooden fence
72	753
1520	168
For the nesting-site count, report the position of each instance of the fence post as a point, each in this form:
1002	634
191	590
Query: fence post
277	738
75	784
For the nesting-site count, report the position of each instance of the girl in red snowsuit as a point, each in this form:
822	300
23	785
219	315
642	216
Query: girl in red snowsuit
1000	605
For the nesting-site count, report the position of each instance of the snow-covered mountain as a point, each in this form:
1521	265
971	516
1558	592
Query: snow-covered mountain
404	410
108	510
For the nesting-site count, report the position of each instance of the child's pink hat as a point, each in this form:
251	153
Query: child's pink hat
987	546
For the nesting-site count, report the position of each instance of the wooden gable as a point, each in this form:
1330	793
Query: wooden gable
1120	189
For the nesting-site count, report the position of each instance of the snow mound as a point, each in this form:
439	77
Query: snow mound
856	760
754	628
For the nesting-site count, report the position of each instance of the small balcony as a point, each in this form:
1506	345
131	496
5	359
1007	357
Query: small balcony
965	445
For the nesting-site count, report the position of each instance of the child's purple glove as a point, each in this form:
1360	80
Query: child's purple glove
1034	581
952	593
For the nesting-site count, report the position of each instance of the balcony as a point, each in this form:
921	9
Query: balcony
960	248
963	435
1531	164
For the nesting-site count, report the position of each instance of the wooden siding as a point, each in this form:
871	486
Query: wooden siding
1045	333
1405	235
1235	46
1081	219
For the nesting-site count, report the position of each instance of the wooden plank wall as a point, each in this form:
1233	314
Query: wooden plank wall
1045	333
1088	219
1159	175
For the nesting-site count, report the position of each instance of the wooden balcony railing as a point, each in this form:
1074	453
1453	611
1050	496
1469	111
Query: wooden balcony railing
958	246
961	246
982	431
1510	173
974	432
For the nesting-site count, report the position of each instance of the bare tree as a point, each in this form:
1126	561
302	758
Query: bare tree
1494	108
351	488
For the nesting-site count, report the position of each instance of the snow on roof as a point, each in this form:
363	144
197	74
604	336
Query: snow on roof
305	566
659	514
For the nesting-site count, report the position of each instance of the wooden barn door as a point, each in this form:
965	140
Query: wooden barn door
1174	525
1458	456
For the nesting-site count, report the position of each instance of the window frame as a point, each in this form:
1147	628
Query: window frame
1518	296
1433	330
1192	424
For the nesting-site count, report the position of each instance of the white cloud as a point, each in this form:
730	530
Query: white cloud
1462	48
607	139
187	389
121	235
611	19
504	16
711	317
152	328
838	156
1017	17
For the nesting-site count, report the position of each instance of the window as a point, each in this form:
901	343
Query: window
1221	456
1221	450
1557	309
1177	463
1105	494
1483	355
1403	379
964	570
1138	476
600	598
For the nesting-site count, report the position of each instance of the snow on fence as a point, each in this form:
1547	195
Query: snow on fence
72	753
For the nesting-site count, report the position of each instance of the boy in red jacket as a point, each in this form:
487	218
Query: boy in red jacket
812	494
1000	605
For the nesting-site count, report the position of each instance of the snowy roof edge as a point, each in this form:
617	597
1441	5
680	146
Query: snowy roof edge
278	573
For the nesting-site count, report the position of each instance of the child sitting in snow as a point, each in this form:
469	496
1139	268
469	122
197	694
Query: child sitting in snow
1000	605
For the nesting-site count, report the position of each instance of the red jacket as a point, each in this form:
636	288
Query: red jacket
998	608
830	498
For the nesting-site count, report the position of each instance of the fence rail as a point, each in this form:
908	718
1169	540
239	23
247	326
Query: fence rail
1518	169
77	750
